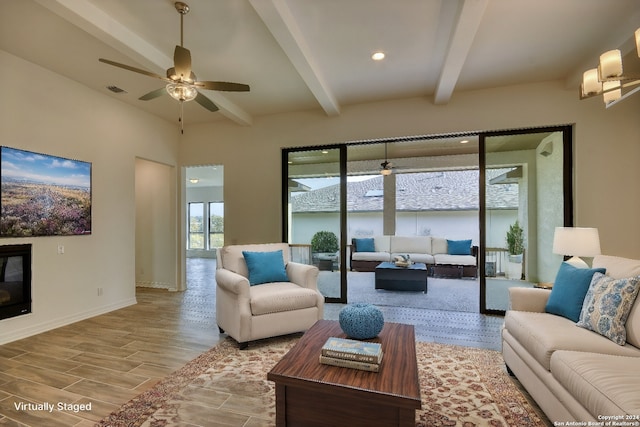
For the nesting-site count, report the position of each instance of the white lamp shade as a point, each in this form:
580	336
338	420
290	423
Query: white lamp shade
611	64
638	41
612	91
590	83
576	241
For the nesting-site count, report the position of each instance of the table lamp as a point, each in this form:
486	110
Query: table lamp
576	242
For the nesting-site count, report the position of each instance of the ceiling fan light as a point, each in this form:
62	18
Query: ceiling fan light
610	64
590	83
385	172
182	92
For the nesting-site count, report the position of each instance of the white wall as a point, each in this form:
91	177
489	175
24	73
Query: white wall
606	150
43	112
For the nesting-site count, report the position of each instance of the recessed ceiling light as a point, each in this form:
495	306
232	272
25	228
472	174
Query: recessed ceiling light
464	141
194	180
378	56
325	152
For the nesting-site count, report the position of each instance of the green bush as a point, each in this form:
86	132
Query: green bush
324	241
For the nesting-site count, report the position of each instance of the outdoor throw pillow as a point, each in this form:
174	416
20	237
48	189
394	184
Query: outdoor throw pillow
607	306
365	245
569	289
458	247
265	267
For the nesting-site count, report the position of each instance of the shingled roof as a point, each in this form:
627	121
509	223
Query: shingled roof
429	191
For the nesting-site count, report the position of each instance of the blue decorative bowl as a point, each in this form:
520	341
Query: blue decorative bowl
361	321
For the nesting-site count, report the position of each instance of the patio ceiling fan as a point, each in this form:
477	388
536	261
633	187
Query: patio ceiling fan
182	84
387	168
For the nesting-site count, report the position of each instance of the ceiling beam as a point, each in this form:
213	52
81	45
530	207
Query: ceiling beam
279	20
105	28
466	26
229	109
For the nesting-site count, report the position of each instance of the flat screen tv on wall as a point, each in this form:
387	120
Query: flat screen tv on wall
43	195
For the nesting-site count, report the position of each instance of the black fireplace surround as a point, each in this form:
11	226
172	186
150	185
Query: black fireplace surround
15	280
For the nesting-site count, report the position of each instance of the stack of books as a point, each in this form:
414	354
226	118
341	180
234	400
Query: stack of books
346	353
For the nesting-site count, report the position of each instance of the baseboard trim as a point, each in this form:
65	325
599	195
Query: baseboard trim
156	285
50	324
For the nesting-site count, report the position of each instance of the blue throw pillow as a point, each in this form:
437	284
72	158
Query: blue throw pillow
459	247
265	267
569	290
365	245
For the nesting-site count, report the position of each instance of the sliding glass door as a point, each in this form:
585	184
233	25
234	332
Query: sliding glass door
520	182
526	187
315	219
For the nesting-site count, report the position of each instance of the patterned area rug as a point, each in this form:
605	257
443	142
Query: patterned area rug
224	386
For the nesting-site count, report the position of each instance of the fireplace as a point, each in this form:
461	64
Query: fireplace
15	280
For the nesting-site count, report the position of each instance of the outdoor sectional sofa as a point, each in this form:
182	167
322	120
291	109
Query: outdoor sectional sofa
448	258
573	373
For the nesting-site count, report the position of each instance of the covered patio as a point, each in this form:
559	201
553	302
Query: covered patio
443	293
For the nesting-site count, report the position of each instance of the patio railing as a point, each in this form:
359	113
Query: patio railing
496	261
300	253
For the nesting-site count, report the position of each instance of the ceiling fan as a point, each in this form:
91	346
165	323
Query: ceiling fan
182	84
387	167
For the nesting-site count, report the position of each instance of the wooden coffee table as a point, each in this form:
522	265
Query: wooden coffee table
310	394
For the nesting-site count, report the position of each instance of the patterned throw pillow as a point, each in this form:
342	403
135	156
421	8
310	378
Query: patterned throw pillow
607	305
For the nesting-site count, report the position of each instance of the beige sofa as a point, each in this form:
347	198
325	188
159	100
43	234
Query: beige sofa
574	374
248	313
432	251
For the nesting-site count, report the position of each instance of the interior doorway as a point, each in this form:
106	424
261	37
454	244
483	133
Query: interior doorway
204	190
155	233
204	221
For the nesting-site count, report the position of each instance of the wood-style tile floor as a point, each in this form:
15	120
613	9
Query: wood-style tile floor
106	360
109	359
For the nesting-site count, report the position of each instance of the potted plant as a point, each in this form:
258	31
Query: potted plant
324	245
515	246
324	241
515	241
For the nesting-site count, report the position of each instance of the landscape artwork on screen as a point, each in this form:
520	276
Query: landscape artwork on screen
43	195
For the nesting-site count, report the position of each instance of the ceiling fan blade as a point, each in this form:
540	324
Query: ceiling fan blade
182	62
153	94
134	69
226	86
206	103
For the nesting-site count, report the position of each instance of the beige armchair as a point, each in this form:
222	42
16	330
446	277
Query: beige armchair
251	312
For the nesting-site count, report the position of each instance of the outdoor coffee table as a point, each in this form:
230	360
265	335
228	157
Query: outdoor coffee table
412	278
311	394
